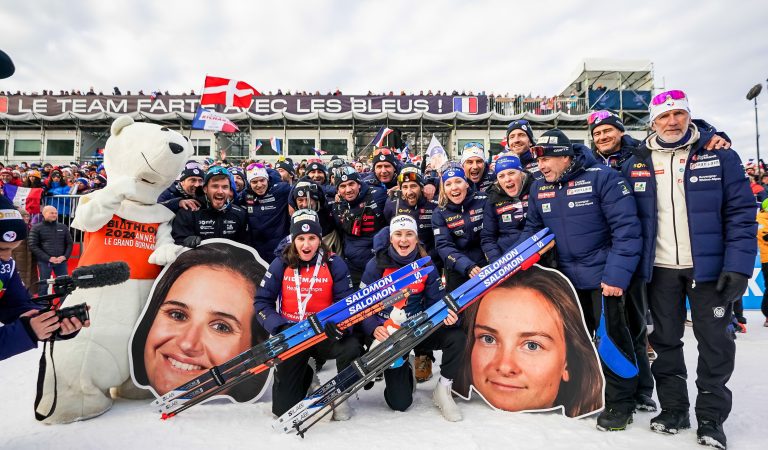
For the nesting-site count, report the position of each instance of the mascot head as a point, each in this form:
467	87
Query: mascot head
151	154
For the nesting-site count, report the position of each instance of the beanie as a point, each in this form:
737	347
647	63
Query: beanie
386	156
507	162
305	221
553	143
454	172
12	226
402	222
288	167
256	171
306	188
604	117
472	150
347	176
520	125
191	169
667	101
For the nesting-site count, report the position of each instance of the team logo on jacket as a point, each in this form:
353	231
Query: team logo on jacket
506	218
546	207
719	312
640	186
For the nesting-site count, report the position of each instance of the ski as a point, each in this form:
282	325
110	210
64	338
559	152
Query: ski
413	331
252	366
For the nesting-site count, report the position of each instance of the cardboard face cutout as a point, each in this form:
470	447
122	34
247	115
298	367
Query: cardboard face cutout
199	315
528	348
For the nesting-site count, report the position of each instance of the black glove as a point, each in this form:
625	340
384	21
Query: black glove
731	285
283	327
332	331
191	241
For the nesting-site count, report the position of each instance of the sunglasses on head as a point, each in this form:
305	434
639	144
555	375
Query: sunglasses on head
470	145
519	122
598	115
216	170
382	151
661	98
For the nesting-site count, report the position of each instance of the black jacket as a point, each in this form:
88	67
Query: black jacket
228	223
48	239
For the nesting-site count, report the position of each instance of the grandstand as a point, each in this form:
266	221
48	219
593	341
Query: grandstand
74	128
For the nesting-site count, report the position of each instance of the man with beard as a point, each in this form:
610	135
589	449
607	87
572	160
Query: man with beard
519	141
317	172
266	202
182	193
591	211
286	171
359	216
473	163
307	194
217	218
409	200
384	169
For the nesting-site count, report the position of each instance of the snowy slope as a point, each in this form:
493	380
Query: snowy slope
131	424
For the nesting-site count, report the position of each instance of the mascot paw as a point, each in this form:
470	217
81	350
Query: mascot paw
165	254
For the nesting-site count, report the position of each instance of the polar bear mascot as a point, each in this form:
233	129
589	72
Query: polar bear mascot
122	222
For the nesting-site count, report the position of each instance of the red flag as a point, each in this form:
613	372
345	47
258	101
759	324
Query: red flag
223	91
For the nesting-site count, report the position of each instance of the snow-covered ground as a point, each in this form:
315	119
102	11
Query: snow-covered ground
131	424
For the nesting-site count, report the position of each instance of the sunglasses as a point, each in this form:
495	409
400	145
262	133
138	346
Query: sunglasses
661	98
598	115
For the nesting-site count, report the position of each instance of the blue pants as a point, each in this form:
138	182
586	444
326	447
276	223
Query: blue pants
45	269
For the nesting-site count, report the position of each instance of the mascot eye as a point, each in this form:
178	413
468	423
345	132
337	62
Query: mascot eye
164	129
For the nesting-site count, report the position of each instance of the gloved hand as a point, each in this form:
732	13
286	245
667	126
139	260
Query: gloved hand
332	331
191	241
731	285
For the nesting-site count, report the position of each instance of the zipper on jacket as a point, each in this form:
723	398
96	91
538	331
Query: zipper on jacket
672	196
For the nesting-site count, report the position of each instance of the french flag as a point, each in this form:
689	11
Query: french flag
319	152
277	145
212	121
465	104
29	198
378	140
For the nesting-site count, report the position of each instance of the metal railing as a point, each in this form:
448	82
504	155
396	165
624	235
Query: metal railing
541	106
66	206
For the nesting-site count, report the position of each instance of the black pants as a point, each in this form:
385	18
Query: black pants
453	280
451	340
293	376
711	316
356	275
764	304
619	392
636	307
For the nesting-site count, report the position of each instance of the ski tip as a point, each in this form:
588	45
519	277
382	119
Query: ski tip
166	416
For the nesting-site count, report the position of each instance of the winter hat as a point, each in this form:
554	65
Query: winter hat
314	165
386	156
402	222
84	181
256	171
237	171
12	226
33	173
454	172
191	169
507	162
285	165
6	171
305	221
306	188
472	150
604	117
216	171
667	101
520	125
346	176
553	143
410	173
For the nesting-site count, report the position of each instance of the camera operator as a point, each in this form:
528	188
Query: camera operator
24	324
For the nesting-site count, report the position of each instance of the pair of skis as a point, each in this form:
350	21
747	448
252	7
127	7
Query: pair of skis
413	331
295	339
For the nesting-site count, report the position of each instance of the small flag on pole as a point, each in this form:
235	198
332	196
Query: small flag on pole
212	121
277	145
318	151
436	153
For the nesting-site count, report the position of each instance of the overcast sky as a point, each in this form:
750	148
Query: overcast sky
714	50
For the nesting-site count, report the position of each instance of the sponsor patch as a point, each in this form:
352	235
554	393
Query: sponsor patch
456	224
505	208
640	174
506	218
624	189
705	178
436	231
580	203
705	164
718	312
550	194
580	190
639	186
546	207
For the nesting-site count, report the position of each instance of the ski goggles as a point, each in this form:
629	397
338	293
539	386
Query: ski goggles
383	151
471	145
661	98
537	151
598	115
409	175
217	170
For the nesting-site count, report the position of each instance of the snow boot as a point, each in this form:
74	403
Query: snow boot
644	403
613	420
670	421
710	433
423	366
444	400
342	412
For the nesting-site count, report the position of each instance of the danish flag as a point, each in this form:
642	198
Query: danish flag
223	91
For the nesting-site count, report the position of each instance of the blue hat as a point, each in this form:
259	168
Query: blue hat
454	172
507	162
521	124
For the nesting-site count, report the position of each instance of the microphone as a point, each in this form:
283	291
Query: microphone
93	276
